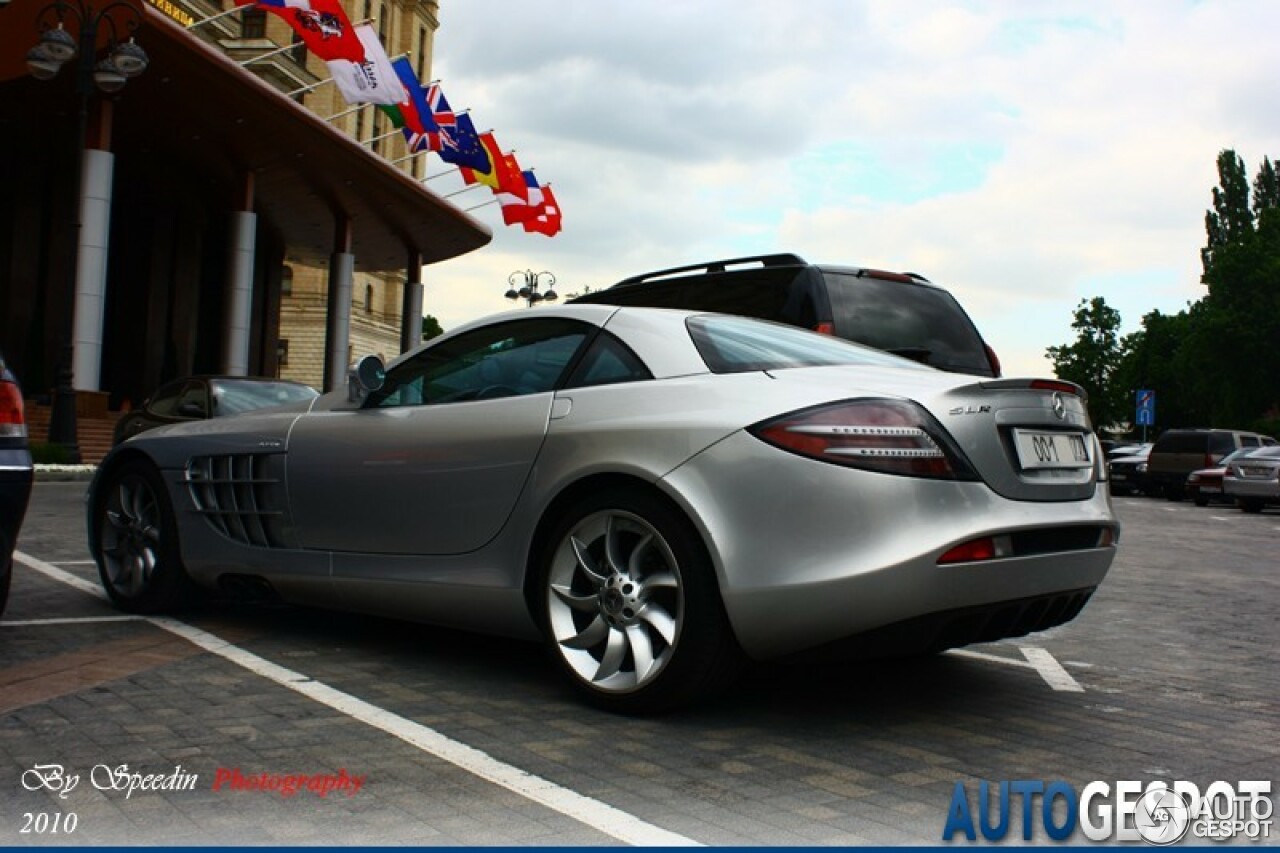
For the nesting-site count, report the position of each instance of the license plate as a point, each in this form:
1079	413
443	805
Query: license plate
1038	450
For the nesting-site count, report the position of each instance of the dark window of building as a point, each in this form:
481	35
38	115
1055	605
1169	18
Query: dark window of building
422	53
286	281
368	299
282	352
253	24
382	23
299	52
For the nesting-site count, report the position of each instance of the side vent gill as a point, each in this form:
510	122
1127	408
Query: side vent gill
241	496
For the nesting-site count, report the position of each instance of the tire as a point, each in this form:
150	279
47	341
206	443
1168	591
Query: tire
1200	500
1250	505
630	608
135	542
6	577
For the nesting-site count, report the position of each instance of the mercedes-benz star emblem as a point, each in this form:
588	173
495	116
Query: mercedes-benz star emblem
1059	406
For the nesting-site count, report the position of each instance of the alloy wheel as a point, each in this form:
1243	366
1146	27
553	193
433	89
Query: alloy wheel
131	535
615	601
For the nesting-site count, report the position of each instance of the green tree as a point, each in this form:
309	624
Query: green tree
1235	336
1091	360
430	328
1266	190
1231	219
1154	358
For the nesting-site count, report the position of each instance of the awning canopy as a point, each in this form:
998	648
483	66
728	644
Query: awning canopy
196	108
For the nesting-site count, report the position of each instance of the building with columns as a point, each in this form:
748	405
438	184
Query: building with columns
225	211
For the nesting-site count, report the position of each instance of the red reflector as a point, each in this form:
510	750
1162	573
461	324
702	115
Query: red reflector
1051	385
825	328
969	552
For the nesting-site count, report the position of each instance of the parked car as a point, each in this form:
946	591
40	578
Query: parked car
1254	481
900	313
1178	452
1115	449
654	493
1127	475
197	398
16	473
1205	485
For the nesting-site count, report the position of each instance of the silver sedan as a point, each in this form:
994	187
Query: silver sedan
1253	480
657	495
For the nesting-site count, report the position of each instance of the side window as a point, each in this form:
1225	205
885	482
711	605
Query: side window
1248	441
165	401
608	361
193	402
508	360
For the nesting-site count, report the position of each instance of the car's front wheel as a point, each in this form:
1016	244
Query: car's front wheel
630	605
135	540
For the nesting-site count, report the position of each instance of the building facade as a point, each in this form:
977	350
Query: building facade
222	212
406	28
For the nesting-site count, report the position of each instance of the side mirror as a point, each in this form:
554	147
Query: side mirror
365	376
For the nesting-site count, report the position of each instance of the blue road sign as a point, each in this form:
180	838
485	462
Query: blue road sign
1146	407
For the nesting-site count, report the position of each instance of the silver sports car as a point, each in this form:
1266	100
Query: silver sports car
658	494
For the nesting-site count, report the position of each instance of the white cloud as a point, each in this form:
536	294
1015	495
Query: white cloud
1026	155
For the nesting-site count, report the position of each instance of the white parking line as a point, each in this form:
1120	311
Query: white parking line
1050	670
586	810
1038	659
69	620
1222	518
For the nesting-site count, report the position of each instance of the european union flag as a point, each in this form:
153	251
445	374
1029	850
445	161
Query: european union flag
461	146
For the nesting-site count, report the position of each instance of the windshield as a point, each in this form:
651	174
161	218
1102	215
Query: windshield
232	397
739	345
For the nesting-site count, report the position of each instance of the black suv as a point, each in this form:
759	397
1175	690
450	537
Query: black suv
900	313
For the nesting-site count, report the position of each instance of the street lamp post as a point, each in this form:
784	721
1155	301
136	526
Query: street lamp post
524	284
124	59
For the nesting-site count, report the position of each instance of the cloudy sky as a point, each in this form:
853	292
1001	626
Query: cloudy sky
1025	154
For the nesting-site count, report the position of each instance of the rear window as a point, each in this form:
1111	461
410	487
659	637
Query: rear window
739	345
1183	442
781	295
914	320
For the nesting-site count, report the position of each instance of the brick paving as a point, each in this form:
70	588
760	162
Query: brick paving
1176	654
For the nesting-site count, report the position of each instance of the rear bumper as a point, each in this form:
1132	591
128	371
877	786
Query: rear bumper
1265	489
808	553
961	626
15	491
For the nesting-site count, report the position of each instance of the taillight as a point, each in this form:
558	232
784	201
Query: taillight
13	422
890	436
825	328
993	360
1055	385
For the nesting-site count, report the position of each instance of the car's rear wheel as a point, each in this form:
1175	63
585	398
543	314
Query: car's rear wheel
1250	504
630	605
1201	500
136	542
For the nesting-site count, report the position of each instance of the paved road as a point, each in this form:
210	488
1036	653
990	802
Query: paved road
1170	673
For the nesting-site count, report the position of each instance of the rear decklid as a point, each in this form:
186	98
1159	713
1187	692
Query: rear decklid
1028	439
